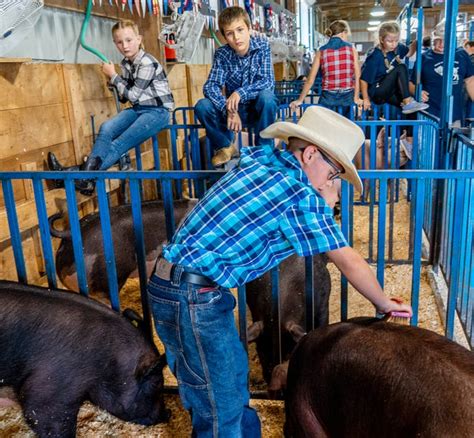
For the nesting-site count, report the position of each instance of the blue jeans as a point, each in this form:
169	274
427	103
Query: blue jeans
127	129
258	114
334	99
204	352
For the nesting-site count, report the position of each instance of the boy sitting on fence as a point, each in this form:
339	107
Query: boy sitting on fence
244	67
255	216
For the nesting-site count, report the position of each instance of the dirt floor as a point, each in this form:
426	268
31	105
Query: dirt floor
93	422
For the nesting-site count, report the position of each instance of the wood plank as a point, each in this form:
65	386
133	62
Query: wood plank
30	85
7	261
33	128
176	74
27	184
14	60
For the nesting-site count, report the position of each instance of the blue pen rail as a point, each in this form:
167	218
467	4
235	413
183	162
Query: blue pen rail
458	243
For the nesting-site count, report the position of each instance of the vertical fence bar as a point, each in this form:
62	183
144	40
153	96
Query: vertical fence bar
108	244
276	313
346	222
140	251
419	188
168	205
15	234
76	237
44	232
455	258
242	300
310	303
381	223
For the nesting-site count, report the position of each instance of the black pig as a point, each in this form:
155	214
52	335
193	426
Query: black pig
369	378
292	305
59	349
121	220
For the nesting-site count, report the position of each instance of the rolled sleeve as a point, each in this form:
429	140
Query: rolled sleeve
312	230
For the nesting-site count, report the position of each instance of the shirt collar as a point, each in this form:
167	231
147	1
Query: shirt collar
256	43
286	161
136	61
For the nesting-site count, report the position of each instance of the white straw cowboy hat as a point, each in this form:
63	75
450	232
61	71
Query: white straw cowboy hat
335	135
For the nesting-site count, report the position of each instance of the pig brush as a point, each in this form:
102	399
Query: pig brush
397	317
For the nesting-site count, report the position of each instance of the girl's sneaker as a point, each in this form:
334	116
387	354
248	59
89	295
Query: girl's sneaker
413	107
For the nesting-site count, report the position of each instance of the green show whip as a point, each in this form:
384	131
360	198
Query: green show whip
85	23
100	55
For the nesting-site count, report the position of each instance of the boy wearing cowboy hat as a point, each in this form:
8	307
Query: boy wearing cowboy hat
255	216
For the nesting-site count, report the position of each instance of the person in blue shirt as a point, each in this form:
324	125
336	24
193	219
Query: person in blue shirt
384	77
270	206
432	78
244	68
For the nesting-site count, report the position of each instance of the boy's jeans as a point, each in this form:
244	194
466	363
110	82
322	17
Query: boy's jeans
196	325
258	114
127	129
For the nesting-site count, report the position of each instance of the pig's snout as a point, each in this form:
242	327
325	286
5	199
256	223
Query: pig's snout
162	416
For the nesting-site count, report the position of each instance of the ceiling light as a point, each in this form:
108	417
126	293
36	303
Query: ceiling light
378	10
374	22
372	28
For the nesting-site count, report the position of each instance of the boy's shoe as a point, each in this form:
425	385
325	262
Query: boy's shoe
224	155
413	107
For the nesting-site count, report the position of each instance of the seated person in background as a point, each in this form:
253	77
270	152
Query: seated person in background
244	67
384	77
432	77
143	83
259	213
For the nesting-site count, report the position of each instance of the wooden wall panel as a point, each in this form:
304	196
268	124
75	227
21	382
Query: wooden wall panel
27	129
30	85
196	75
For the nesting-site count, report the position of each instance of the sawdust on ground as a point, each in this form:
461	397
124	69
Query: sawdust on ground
93	422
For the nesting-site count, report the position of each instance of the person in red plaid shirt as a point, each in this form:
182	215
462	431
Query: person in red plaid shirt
339	64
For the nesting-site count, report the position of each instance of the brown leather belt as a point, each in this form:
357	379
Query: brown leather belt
167	271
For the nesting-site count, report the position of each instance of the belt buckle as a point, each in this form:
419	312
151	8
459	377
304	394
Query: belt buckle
163	269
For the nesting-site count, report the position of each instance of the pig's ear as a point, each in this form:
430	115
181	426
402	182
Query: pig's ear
254	331
134	318
295	330
149	365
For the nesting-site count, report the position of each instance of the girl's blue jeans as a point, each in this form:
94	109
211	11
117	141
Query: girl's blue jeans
204	352
336	100
128	129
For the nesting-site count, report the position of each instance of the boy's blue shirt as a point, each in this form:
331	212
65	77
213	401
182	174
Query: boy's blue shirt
248	75
254	217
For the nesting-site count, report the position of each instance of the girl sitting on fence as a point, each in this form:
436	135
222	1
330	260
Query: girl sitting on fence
384	77
339	64
143	83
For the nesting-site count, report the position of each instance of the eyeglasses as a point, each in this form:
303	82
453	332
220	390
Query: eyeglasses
337	170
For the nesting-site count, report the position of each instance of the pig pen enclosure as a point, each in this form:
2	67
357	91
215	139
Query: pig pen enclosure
413	226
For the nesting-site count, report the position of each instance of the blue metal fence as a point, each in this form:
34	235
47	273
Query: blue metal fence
460	284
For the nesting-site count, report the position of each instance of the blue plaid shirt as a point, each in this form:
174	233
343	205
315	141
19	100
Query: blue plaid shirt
248	75
255	216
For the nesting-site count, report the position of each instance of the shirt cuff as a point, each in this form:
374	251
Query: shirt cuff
242	93
113	79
